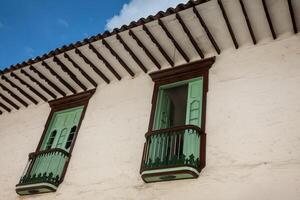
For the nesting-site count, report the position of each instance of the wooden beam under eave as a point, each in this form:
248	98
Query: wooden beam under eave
124	65
162	51
69	72
28	86
75	65
92	65
7	100
189	35
42	76
19	89
175	43
269	19
61	80
106	63
292	16
248	22
5	107
39	84
228	24
147	52
14	95
135	58
209	35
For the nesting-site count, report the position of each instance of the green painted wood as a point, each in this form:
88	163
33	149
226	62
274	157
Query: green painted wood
60	134
162	120
191	143
179	147
62	123
163	109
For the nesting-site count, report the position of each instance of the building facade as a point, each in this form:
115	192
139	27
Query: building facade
123	96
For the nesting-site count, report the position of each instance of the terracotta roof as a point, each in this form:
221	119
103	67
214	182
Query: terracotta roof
106	34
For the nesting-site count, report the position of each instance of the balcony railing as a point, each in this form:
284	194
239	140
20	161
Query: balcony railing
170	148
43	172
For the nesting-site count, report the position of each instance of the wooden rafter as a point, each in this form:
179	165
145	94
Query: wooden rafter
138	41
228	24
19	89
75	65
175	43
292	16
9	101
209	35
5	107
87	61
124	65
61	80
269	19
69	72
28	86
42	76
132	54
162	51
39	84
106	63
189	35
248	22
14	95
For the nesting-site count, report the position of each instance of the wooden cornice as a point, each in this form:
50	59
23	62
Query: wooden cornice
189	35
138	41
177	46
248	21
75	65
121	61
209	35
39	84
135	58
59	78
106	63
162	51
43	77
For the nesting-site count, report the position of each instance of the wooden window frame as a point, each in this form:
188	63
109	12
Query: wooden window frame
80	99
182	73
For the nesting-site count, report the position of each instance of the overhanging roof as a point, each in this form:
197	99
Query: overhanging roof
190	32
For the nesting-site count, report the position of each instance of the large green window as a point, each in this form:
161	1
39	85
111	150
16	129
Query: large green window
176	138
179	104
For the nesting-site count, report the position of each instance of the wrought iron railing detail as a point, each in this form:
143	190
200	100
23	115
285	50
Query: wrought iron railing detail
171	147
45	167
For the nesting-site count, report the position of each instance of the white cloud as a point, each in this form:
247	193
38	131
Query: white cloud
63	22
29	51
137	9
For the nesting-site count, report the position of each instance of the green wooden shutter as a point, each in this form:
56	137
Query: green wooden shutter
62	124
59	134
194	102
193	117
163	111
161	121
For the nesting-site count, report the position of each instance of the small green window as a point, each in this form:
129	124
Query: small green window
47	166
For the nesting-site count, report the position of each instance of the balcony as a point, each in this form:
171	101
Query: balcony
44	172
173	153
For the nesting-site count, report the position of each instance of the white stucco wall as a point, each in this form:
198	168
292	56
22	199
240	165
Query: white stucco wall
253	135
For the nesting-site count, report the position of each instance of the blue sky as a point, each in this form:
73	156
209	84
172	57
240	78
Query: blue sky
30	28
